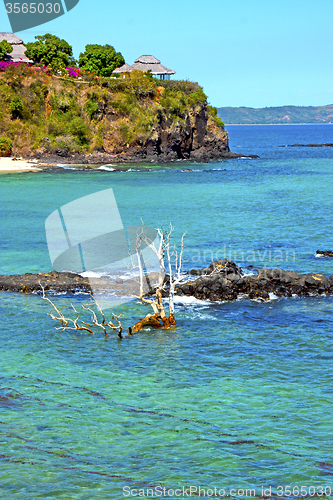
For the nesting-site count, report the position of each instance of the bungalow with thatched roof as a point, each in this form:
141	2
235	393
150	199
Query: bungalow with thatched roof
148	63
125	68
18	54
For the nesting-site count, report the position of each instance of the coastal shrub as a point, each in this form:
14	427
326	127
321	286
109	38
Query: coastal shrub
44	90
56	127
197	97
123	103
39	89
62	102
67	143
78	128
114	85
98	142
141	84
218	121
180	85
142	121
98	94
212	110
174	102
16	107
91	108
126	132
6	146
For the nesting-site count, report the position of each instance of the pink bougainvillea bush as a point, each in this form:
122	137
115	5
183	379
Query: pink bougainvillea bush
73	72
4	65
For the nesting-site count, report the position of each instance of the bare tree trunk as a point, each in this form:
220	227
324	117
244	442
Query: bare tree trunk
161	252
149	320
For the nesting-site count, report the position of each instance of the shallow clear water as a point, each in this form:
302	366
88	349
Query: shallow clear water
238	396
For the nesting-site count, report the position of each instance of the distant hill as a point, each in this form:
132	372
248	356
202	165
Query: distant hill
277	115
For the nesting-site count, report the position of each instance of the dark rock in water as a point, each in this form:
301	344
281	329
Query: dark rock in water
224	281
326	145
53	281
324	253
222	267
221	281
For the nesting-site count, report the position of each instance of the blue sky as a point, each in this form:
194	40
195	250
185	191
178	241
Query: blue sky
253	53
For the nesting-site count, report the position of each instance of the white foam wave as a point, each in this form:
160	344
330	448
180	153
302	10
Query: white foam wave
242	296
188	300
246	272
92	274
107	168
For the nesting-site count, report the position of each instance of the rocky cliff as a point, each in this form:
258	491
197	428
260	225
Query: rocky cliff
195	137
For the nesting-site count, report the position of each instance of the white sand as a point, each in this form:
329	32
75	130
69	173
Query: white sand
17	165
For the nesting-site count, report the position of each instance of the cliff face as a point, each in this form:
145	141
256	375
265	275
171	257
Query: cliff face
99	120
195	137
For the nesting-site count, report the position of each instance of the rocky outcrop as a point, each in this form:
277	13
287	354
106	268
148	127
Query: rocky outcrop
224	281
324	253
52	282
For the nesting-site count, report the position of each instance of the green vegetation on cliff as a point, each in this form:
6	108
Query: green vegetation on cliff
277	115
51	114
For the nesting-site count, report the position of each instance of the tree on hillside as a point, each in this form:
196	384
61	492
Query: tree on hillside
51	51
5	48
100	59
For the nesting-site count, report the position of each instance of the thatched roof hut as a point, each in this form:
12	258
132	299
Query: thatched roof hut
150	63
125	68
18	54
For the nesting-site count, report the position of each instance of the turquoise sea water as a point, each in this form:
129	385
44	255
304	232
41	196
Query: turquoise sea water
238	396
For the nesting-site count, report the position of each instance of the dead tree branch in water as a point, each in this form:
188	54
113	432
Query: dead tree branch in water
165	255
84	326
163	252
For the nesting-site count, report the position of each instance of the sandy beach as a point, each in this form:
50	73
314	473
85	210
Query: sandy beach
10	165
